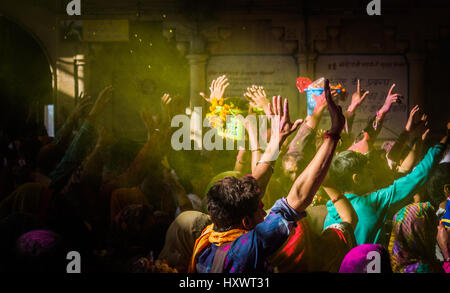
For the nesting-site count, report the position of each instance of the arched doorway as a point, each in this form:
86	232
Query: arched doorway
25	80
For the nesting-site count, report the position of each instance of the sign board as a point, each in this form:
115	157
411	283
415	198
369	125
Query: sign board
377	73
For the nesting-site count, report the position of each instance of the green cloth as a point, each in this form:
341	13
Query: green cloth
375	208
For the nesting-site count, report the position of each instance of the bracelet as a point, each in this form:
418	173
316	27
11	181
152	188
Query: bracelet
241	162
333	201
379	113
332	135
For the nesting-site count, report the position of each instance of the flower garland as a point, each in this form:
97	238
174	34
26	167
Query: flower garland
219	111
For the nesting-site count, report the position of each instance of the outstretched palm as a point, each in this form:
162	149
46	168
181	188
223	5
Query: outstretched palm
217	89
281	118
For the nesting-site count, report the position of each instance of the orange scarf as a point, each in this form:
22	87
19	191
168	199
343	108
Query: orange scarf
209	236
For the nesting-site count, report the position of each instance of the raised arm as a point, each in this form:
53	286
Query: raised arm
414	153
148	157
343	206
402	190
390	100
357	98
91	174
241	161
309	181
395	154
281	128
63	136
80	145
418	133
302	145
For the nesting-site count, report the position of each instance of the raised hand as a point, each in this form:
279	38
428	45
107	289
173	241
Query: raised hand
166	99
321	103
103	99
357	97
390	99
217	89
445	140
419	128
280	117
166	107
149	121
425	134
337	118
83	104
409	124
257	98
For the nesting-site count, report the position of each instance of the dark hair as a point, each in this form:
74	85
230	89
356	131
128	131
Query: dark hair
231	199
435	187
344	166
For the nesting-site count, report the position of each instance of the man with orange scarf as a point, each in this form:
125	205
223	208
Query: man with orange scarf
240	239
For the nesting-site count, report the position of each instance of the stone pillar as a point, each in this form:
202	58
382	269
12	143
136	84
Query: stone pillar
197	63
416	62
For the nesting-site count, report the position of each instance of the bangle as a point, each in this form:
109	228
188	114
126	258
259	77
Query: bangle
333	201
331	135
379	113
241	162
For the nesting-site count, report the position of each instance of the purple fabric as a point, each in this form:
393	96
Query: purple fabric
37	242
357	260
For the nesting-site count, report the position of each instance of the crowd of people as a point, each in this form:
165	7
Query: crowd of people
334	201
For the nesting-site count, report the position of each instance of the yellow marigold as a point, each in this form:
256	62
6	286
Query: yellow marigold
214	101
212	108
221	102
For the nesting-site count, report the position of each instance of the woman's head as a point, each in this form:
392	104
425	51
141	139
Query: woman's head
233	202
366	258
40	251
413	239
